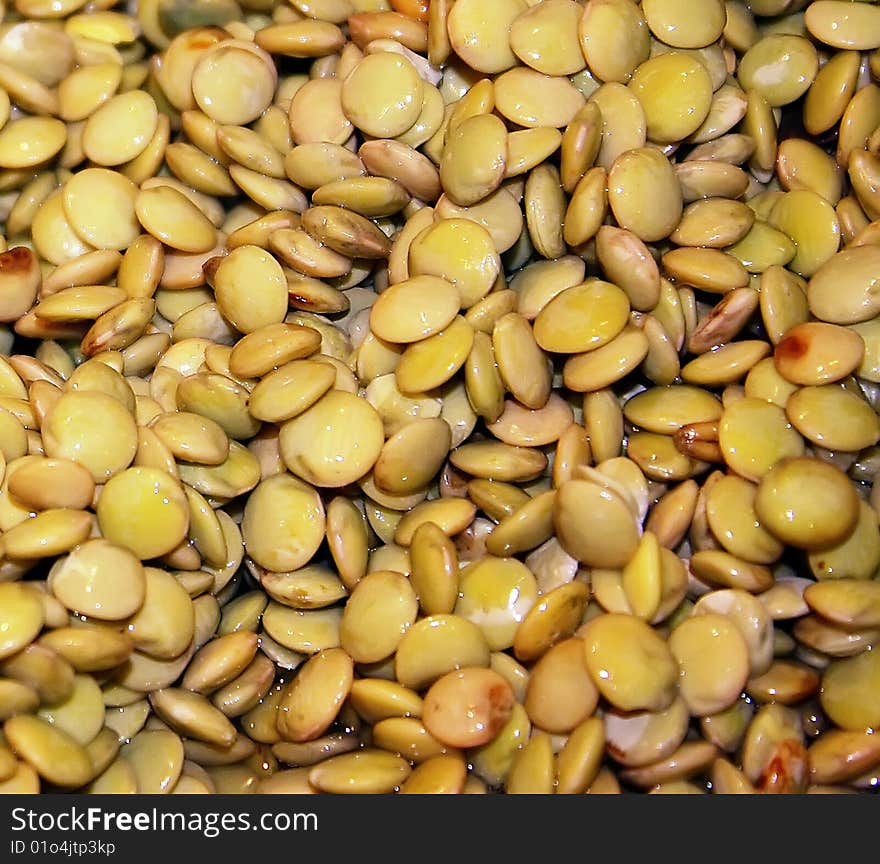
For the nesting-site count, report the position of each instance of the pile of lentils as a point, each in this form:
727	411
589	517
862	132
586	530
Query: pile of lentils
439	396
